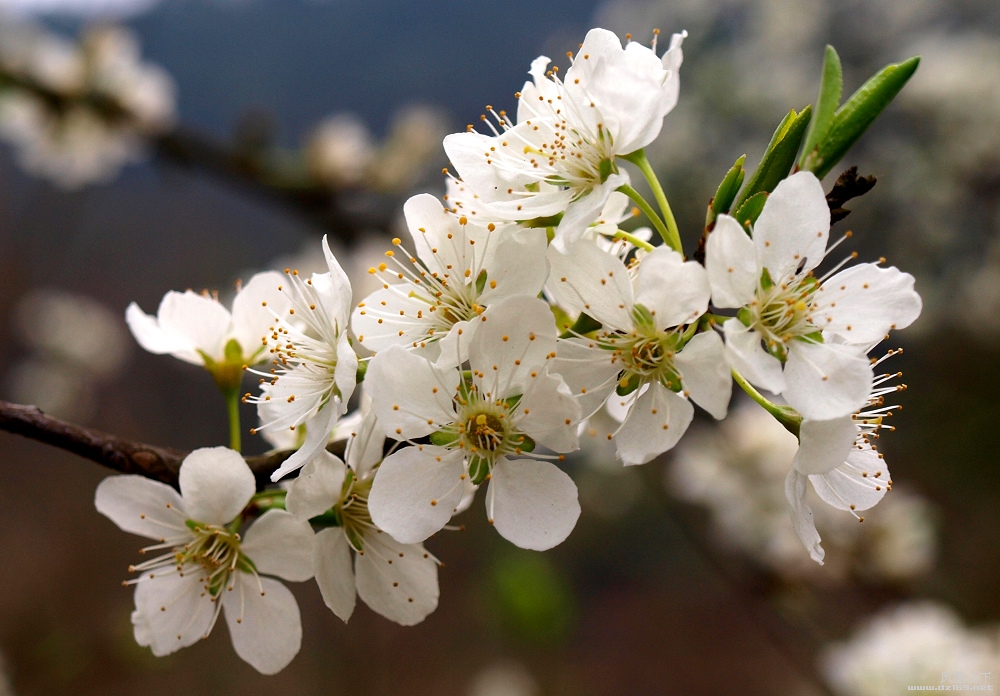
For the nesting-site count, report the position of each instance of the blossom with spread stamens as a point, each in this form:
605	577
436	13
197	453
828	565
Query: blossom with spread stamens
646	350
430	302
207	565
561	155
315	366
798	335
483	427
841	459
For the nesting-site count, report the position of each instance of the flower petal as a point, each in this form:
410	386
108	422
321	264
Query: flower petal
862	303
202	320
366	443
216	484
141	506
705	373
318	486
254	309
825	380
731	264
334	289
152	337
588	279
857	484
802	515
675	291
318	429
532	503
172	610
656	421
410	397
378	320
748	357
334	572
517	265
823	445
514	339
415	491
398	581
281	545
794	226
549	414
590	372
580	213
264	622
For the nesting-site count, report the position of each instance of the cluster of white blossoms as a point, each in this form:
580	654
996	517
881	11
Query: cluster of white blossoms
513	313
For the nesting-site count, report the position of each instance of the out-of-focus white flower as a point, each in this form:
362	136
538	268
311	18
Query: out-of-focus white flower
414	141
504	679
915	644
340	150
208	565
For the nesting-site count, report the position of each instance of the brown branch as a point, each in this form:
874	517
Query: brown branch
124	456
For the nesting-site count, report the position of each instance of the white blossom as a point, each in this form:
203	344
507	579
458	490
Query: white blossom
797	335
484	429
208	565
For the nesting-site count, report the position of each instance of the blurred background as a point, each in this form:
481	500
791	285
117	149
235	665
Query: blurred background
149	146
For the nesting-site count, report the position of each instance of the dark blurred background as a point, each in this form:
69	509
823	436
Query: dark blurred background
680	577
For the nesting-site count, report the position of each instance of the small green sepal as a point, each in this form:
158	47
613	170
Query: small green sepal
479	469
750	210
726	193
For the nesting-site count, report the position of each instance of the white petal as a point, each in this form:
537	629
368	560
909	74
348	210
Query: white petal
252	317
141	506
334	572
407	392
345	374
590	372
152	337
794	226
823	445
201	319
415	491
861	304
335	290
378	320
281	545
437	235
802	515
517	265
366	443
705	373
585	210
748	357
453	349
318	429
655	423
674	290
532	503
549	414
575	282
731	263
671	61
216	484
318	486
857	484
264	622
398	581
172	611
513	340
825	380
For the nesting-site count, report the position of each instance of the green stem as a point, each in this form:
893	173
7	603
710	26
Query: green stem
650	213
635	241
233	408
785	415
673	238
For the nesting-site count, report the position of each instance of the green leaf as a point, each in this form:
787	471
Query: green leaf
748	213
860	111
779	156
726	193
831	87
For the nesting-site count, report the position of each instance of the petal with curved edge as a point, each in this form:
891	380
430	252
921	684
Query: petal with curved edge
705	373
255	309
381	316
864	302
172	611
581	212
857	484
802	515
438	237
823	445
825	380
731	264
281	545
336	293
794	226
748	357
415	491
141	506
201	319
264	622
590	372
318	486
335	572
516	267
153	338
575	280
675	291
410	397
513	340
318	429
216	484
453	348
398	581
533	504
656	421
366	444
549	414
345	374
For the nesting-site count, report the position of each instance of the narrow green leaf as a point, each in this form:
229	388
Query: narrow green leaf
730	186
779	156
831	88
748	213
860	111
